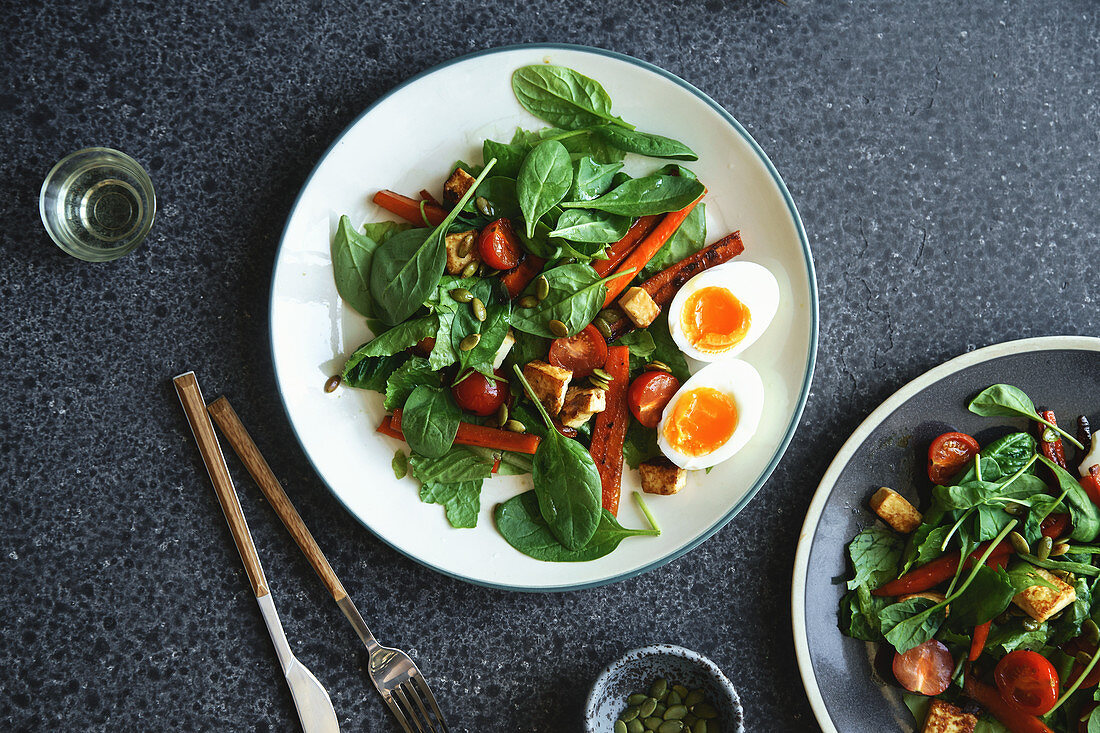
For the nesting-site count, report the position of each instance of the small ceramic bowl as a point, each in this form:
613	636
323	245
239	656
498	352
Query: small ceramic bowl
636	670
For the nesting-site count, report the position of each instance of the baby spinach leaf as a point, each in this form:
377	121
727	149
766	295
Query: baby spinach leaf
576	296
509	155
987	596
640	444
351	259
578	225
528	348
592	179
859	614
566	481
1001	458
522	525
397	339
875	553
459	464
911	622
544	179
500	191
430	421
1084	515
492	330
1010	637
372	372
925	545
689	238
405	270
1004	400
443	353
641	346
405	378
562	97
460	501
645	143
1068	624
654	194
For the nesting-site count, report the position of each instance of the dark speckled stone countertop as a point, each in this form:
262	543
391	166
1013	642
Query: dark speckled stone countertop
945	157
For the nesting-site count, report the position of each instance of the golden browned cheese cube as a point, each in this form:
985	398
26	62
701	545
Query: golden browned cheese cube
639	306
457	186
581	403
896	510
549	383
456	244
943	717
662	476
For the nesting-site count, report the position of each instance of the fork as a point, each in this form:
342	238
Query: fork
394	674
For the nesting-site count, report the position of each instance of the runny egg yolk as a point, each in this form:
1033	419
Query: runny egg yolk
702	420
714	320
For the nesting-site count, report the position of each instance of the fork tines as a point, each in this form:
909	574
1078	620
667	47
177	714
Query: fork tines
400	701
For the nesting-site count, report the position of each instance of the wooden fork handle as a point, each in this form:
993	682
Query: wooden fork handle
245	448
187	387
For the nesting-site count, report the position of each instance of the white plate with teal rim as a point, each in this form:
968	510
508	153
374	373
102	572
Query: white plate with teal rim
407	141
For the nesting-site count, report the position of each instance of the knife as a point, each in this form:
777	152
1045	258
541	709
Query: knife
311	700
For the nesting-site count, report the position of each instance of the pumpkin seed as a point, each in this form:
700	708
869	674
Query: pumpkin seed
681	691
465	246
659	711
1014	509
620	726
332	383
1084	657
478	308
462	295
636	699
470	341
515	426
558	329
671	726
1044	548
1029	624
660	686
1091	630
705	711
652	723
469	270
611	315
676	712
528	301
689	720
605	376
645	710
602	327
542	287
694	697
659	366
1059	549
700	726
635	726
1019	543
502	417
674	698
487	271
485	207
599	383
629	714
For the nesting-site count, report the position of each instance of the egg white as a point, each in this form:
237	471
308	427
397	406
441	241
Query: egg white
740	381
752	284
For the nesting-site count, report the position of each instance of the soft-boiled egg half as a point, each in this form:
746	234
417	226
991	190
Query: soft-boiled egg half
720	312
712	415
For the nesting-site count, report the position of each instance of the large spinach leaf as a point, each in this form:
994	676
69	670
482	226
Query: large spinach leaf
645	143
576	296
372	372
406	378
987	596
395	340
460	463
1004	400
461	501
562	96
430	421
656	194
351	260
405	270
544	179
592	179
875	553
1001	458
578	225
492	330
689	238
859	614
911	622
521	523
566	481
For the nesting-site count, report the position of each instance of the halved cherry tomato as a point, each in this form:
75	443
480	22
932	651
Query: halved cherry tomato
925	669
580	354
948	454
480	395
498	246
648	395
1028	681
1091	484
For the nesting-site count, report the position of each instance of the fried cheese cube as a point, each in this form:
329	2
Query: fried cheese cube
896	510
639	306
456	244
581	403
662	476
549	383
943	717
1041	602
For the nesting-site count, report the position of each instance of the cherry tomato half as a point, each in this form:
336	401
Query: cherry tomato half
478	394
925	669
1027	681
948	454
498	246
579	354
648	395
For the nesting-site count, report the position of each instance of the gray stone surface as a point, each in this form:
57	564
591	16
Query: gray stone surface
944	156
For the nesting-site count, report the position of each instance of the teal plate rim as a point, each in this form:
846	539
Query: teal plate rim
810	363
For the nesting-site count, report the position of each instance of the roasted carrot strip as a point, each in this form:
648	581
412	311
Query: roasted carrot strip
662	287
609	432
386	428
516	279
481	436
618	251
427	196
989	698
409	209
649	246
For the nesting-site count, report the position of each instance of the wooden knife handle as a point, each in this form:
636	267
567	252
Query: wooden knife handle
187	387
245	448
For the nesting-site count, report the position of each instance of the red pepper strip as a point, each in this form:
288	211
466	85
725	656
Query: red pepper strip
1091	484
478	435
409	209
520	276
943	568
981	631
648	247
1011	717
1053	451
609	431
618	251
427	196
386	428
496	464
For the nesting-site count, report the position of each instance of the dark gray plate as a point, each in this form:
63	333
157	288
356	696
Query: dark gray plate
1061	373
